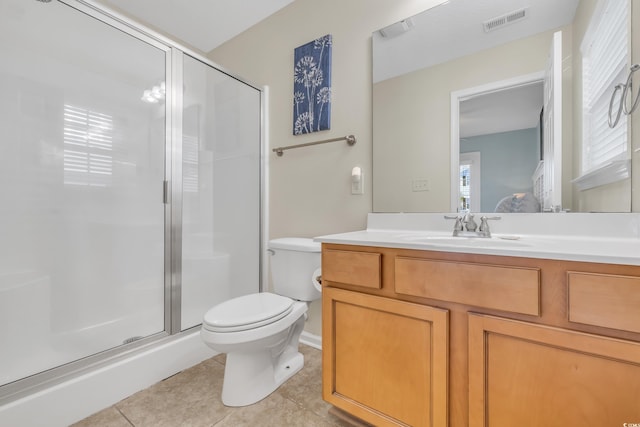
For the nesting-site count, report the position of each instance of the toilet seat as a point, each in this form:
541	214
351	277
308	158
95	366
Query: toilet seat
247	312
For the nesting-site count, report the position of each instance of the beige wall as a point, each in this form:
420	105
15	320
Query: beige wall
310	187
310	190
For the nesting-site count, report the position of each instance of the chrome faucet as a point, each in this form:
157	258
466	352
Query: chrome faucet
465	226
469	223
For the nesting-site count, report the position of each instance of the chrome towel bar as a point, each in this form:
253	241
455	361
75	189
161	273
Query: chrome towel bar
349	138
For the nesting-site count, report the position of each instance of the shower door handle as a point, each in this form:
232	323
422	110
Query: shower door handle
165	192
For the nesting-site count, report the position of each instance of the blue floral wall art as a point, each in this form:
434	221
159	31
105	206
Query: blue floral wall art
312	86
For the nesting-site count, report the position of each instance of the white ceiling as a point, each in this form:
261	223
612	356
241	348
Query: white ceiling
454	29
203	24
501	111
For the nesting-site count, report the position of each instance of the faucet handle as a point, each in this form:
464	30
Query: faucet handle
484	225
458	225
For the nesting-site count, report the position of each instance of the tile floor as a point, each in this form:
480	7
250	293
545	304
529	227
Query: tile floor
191	398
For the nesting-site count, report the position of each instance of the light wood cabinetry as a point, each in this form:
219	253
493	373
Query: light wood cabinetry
355	268
521	374
491	286
385	360
605	300
425	338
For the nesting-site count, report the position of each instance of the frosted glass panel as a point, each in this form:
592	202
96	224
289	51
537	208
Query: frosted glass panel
221	184
81	171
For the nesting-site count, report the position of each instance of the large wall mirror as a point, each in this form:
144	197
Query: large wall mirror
464	114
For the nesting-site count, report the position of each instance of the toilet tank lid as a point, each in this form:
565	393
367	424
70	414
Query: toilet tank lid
295	244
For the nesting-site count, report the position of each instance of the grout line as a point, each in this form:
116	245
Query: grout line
124	416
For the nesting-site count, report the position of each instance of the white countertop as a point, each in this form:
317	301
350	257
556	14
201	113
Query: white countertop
617	244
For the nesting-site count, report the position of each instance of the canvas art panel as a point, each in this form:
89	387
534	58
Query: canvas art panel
312	86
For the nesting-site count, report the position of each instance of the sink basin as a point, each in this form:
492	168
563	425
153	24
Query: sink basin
477	242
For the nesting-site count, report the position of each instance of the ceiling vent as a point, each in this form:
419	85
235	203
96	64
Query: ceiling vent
396	29
506	19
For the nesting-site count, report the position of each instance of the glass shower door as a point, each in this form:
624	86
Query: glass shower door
220	189
82	164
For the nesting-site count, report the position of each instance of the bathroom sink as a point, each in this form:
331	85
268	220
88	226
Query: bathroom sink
476	242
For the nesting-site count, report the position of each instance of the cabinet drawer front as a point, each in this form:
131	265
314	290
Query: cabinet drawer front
606	300
512	289
352	268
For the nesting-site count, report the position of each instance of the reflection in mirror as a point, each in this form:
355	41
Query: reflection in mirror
503	128
416	165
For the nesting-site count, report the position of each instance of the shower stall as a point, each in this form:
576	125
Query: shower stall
130	191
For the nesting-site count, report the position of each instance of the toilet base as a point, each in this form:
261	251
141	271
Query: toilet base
252	374
250	377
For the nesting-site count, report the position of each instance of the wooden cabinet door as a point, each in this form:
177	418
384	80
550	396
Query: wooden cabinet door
521	374
384	361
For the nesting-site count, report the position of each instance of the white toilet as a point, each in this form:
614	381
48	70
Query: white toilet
260	332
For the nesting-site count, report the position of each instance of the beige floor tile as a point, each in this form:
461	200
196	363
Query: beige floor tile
109	417
305	388
190	398
220	358
273	411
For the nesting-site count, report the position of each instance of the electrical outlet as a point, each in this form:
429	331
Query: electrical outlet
420	185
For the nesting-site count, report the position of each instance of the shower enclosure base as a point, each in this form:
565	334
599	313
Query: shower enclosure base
71	401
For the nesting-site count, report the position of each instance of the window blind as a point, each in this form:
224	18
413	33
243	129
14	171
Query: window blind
88	146
190	163
605	63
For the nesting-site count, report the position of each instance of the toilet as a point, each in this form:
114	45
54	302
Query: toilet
260	332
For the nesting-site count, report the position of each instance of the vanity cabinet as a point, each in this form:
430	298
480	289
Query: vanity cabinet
427	338
521	374
384	360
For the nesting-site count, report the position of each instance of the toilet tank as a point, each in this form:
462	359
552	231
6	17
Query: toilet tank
293	262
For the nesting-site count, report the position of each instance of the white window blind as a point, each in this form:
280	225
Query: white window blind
605	53
190	163
88	147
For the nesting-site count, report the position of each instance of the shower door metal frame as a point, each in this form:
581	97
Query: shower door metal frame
172	199
173	235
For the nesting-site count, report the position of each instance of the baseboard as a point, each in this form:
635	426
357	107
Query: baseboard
311	340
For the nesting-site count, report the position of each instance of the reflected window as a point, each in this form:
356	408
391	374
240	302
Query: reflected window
465	188
469	186
190	163
88	147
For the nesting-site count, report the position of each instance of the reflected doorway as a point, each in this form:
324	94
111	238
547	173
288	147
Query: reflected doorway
501	122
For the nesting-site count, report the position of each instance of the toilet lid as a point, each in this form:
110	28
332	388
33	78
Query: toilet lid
247	312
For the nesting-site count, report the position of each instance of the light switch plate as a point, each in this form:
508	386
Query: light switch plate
420	185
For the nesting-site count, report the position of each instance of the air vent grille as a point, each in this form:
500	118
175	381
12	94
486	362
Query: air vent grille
506	19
